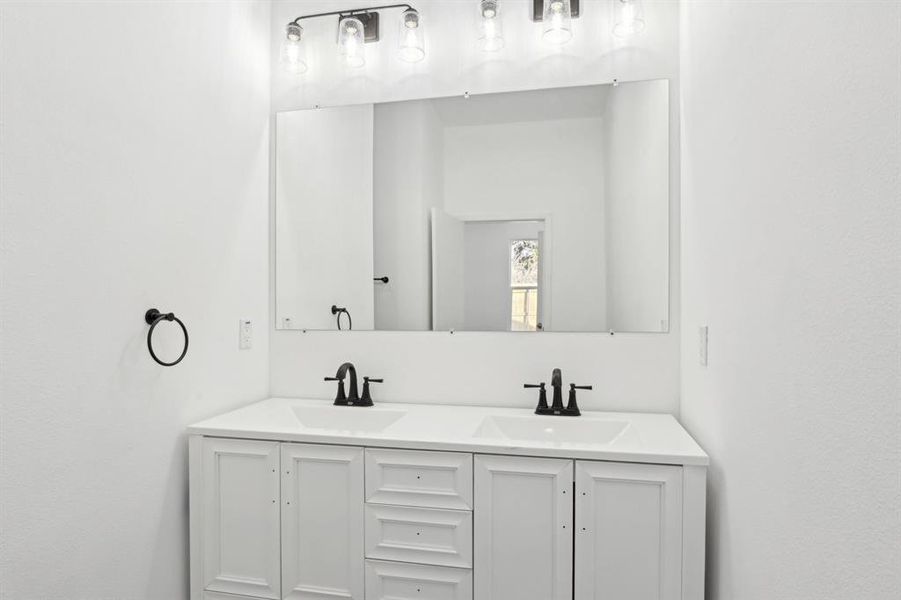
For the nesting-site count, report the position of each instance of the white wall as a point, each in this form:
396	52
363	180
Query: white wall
792	256
323	191
631	371
517	171
635	150
448	236
408	181
134	160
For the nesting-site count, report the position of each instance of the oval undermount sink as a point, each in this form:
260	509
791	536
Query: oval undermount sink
561	430
346	418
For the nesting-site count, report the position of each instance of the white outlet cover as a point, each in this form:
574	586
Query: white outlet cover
245	334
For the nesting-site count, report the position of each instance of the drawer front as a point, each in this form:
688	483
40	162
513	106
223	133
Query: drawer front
421	535
412	478
208	595
403	581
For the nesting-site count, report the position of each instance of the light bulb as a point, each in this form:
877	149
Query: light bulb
557	20
491	35
628	18
291	56
350	40
411	42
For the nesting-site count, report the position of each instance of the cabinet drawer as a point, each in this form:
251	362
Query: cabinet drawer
403	581
208	595
421	535
412	478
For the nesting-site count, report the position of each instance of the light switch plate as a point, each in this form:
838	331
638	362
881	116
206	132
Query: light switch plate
245	334
702	345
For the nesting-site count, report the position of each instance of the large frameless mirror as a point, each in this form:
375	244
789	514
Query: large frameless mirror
542	210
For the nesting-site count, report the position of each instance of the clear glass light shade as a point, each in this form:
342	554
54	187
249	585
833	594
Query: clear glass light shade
628	18
291	56
411	42
350	41
557	20
491	34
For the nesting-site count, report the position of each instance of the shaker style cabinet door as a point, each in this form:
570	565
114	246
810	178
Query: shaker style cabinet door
240	535
628	531
523	523
322	522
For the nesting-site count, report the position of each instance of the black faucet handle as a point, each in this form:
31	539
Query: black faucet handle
366	398
542	396
572	408
341	396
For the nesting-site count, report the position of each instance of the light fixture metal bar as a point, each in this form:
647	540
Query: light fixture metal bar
350	12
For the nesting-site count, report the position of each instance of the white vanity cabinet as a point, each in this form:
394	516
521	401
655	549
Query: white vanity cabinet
628	533
322	522
555	529
290	520
235	510
523	528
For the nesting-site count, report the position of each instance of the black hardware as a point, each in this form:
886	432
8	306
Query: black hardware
341	396
382	279
342	399
367	16
340	310
557	384
542	395
538	9
153	317
366	399
571	406
557	408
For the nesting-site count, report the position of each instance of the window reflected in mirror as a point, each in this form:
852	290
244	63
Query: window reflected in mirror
524	257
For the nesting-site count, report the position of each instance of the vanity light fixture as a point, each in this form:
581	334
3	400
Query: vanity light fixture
557	17
356	27
491	36
292	54
350	41
628	18
411	45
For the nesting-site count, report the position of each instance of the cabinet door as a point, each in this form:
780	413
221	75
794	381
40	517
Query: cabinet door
523	515
322	522
240	539
628	531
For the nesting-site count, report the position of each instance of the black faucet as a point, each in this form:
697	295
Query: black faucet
557	408
557	384
354	399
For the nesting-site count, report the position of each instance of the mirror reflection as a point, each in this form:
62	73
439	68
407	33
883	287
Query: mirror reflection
542	210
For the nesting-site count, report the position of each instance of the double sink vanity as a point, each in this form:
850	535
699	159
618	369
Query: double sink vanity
535	211
298	499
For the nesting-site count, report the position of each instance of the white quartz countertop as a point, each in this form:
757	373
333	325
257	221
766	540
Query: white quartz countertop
627	437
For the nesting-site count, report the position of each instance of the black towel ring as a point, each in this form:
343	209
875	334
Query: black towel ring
153	317
340	310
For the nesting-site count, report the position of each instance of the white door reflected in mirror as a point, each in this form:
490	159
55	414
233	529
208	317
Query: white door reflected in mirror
543	210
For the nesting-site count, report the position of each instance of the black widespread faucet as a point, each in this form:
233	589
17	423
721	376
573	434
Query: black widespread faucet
354	399
557	408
